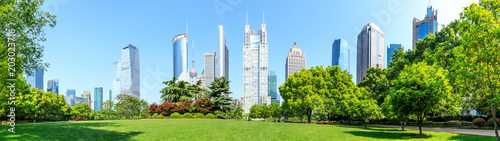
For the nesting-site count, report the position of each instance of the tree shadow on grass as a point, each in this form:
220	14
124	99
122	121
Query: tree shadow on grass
384	135
67	131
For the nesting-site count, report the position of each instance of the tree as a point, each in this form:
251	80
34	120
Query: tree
376	83
82	110
196	90
129	106
219	88
478	65
364	106
255	111
421	89
276	111
107	107
203	106
266	111
340	94
184	107
153	108
305	90
175	91
167	108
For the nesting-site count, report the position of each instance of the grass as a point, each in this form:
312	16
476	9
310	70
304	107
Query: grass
211	130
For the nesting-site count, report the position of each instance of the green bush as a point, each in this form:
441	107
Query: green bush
210	116
113	117
491	123
135	117
478	122
199	115
175	115
161	116
154	115
182	116
188	115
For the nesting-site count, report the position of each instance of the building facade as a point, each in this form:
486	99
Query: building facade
117	69
109	96
36	80
370	50
97	99
130	72
273	93
255	68
87	95
180	54
428	25
295	61
340	54
209	68
390	51
70	93
223	57
53	86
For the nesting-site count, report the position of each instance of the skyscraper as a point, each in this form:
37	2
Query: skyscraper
117	69
97	99
36	80
70	93
371	51
87	95
272	87
180	57
109	96
53	86
223	57
209	68
295	61
390	51
426	26
130	72
340	54
193	72
255	62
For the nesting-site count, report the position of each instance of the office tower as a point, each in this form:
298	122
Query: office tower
390	51
202	79
109	96
428	25
193	72
340	54
255	62
53	86
273	87
371	51
97	99
209	68
117	69
78	100
87	95
180	57
223	58
70	93
36	79
295	61
130	72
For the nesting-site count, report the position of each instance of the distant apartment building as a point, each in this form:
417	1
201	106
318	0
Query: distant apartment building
273	93
87	95
70	93
209	68
295	61
370	50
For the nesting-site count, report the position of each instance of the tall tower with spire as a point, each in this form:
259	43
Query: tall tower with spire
193	72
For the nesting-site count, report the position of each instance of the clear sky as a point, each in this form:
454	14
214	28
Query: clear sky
90	34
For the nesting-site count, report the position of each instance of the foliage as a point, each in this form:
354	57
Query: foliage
175	91
155	115
255	111
478	122
197	91
210	116
219	94
276	111
166	108
160	116
183	107
175	115
203	106
129	106
491	120
188	115
236	111
82	110
107	108
199	115
376	84
153	109
421	89
222	115
364	107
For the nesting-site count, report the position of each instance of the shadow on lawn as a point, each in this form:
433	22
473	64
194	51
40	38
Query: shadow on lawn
67	131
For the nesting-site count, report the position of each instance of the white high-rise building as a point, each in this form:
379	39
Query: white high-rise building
130	71
223	57
255	71
370	50
117	69
209	68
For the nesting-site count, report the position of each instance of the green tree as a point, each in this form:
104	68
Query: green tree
107	108
276	111
129	106
82	110
197	91
376	83
364	107
478	65
219	88
340	94
421	89
255	111
175	91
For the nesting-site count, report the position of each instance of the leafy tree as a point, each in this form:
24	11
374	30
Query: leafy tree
129	106
167	108
478	65
340	91
255	111
421	89
153	109
183	107
376	83
218	89
305	91
175	91
266	111
107	108
364	106
82	110
276	111
197	91
203	106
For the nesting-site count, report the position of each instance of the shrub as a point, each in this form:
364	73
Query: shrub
210	115
183	107
161	116
199	115
166	108
478	122
188	115
203	105
223	115
182	116
154	115
175	115
113	117
491	123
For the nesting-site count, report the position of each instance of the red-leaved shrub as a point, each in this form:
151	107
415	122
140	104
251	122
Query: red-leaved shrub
203	106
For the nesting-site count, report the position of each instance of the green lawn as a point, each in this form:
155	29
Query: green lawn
211	130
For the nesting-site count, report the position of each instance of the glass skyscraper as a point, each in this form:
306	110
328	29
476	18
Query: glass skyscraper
255	70
117	69
223	57
53	86
110	95
70	93
97	99
36	80
209	68
180	54
340	54
273	93
390	51
428	25
130	72
370	50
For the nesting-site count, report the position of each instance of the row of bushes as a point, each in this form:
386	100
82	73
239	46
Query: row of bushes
481	122
186	115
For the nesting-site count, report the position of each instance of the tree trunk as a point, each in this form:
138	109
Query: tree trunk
420	125
365	124
403	124
494	113
309	117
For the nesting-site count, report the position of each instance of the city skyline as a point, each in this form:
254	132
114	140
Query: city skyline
317	39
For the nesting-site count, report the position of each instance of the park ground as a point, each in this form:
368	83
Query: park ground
213	130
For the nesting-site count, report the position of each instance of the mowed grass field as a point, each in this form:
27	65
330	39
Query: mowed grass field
212	130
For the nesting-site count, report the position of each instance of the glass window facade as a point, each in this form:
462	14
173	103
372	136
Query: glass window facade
390	51
180	53
340	54
53	86
97	99
130	71
70	93
35	80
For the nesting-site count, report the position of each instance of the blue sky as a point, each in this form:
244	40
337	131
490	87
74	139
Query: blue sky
90	34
